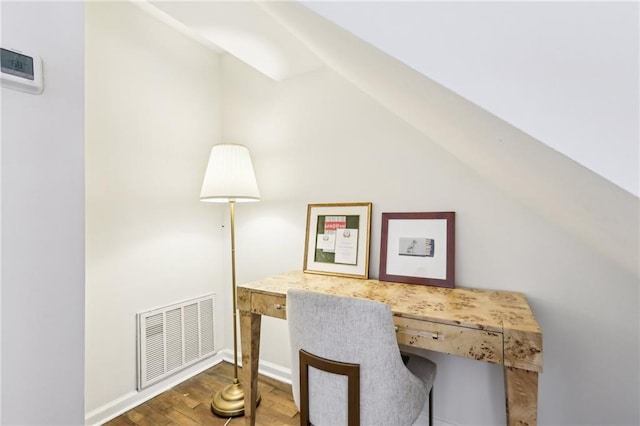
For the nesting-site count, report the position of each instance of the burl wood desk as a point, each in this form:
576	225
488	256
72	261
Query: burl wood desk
489	326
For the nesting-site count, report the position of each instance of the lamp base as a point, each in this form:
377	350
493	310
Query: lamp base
229	402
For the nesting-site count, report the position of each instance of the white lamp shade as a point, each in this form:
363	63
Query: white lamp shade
229	176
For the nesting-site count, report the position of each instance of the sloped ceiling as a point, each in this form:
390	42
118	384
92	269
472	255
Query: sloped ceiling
601	214
566	73
597	212
244	30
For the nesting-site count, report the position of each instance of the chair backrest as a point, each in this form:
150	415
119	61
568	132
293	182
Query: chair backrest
355	331
352	371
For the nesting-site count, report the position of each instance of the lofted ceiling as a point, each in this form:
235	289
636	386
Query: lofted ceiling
550	84
565	73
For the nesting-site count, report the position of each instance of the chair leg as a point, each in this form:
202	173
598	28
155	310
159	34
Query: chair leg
431	406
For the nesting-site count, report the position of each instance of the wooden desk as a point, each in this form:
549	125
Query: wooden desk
489	326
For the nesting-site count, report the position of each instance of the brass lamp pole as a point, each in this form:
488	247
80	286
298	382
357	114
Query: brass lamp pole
230	178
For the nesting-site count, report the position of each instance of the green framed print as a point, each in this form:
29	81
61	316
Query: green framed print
337	240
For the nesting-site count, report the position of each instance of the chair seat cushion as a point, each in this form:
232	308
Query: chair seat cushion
423	369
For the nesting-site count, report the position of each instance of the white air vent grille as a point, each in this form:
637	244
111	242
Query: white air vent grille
174	337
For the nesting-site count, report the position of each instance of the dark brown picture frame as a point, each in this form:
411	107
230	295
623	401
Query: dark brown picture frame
411	248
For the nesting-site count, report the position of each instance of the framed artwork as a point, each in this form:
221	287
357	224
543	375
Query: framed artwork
418	248
337	241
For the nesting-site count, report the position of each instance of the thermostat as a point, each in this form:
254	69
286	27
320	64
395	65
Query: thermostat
21	71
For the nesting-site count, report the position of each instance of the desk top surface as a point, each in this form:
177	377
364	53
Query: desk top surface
504	312
490	310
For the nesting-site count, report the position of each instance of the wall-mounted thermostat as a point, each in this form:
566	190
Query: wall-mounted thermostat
21	71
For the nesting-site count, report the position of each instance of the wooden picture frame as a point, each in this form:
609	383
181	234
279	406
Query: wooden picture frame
337	240
418	248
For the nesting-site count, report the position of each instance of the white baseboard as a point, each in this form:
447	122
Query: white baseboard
266	368
132	399
440	422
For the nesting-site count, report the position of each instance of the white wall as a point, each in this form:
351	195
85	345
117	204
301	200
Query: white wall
43	221
564	72
150	242
152	115
316	138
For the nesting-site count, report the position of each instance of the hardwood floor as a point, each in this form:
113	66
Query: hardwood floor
189	403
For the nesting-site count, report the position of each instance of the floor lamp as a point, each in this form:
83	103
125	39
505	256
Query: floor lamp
230	179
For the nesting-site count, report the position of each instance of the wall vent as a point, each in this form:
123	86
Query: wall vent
173	337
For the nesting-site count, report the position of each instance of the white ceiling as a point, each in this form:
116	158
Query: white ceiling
569	86
566	73
241	29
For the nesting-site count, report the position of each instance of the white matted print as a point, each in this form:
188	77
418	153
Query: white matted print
409	243
418	248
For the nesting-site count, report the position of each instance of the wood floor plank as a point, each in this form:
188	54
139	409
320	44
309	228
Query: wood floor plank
121	421
145	415
189	403
180	419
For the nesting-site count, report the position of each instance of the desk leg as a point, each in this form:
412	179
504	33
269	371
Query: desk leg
250	338
521	388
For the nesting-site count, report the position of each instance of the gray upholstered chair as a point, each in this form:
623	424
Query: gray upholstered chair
350	332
